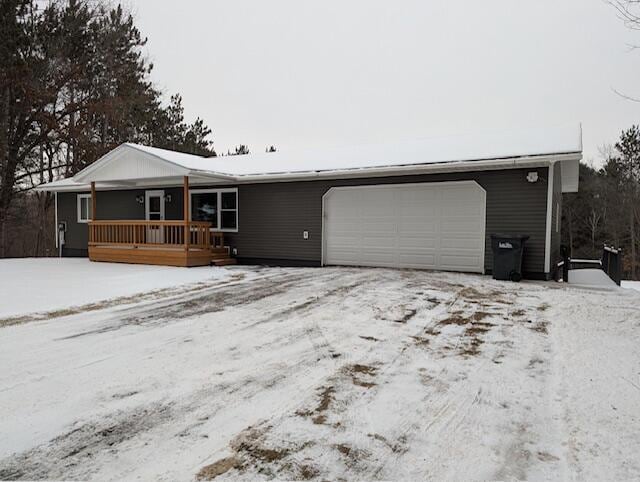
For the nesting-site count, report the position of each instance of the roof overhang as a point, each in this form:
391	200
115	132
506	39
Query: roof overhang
128	168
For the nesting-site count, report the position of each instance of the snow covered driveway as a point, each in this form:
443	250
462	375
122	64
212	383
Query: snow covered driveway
328	373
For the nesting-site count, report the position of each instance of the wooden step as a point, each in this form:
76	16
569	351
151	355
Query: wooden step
224	251
220	255
223	261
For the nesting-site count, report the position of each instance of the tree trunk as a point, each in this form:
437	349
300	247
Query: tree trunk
3	224
632	229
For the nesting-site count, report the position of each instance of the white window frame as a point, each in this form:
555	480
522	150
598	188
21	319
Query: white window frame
79	199
219	193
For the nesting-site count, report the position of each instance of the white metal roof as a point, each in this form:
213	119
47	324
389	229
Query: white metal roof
478	146
486	150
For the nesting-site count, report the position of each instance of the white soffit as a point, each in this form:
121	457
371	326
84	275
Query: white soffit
127	163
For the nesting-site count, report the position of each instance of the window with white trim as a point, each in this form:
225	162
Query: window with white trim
216	206
84	208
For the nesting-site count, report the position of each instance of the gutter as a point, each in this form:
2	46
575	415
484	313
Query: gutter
385	171
512	163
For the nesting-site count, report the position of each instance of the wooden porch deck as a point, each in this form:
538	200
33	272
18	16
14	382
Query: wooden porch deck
157	242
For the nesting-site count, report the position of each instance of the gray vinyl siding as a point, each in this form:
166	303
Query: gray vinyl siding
556	206
273	216
110	205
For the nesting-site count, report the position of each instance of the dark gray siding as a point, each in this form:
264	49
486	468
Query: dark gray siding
556	206
111	205
273	216
76	237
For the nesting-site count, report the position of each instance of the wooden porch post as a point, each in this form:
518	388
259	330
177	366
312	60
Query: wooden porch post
187	233
93	201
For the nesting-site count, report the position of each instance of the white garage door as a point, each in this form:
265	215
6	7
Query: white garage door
432	226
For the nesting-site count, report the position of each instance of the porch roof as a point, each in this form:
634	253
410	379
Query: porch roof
131	165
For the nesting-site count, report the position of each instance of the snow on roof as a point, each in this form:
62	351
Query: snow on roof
515	147
485	145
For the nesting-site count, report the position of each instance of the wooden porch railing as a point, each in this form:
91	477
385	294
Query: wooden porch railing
170	234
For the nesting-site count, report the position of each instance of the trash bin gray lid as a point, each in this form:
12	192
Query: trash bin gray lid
510	236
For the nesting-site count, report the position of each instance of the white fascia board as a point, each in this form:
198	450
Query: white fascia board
206	177
463	166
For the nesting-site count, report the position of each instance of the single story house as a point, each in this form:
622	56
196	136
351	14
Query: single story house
430	204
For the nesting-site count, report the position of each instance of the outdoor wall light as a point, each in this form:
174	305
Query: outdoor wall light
167	198
532	176
140	199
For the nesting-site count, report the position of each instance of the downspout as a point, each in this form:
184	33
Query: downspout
547	244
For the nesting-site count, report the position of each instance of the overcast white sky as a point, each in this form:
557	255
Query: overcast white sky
307	73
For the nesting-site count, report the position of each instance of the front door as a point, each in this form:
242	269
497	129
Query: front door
154	211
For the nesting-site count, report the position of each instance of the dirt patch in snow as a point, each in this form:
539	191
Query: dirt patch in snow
210	472
361	375
250	445
421	340
312	303
250	450
58	458
472	294
461	319
397	447
327	397
399	314
208	299
473	340
352	456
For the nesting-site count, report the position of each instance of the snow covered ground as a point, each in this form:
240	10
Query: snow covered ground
594	278
325	374
631	285
46	284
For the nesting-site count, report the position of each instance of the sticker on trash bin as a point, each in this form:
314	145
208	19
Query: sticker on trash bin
505	245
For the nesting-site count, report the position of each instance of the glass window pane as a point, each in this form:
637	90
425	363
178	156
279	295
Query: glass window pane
84	209
228	200
228	219
154	204
204	207
154	216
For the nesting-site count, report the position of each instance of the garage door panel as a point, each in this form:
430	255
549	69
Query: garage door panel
418	229
460	243
378	225
462	225
378	243
337	241
406	243
431	226
423	262
378	255
460	263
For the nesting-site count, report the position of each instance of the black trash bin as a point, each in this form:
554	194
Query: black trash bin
507	256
